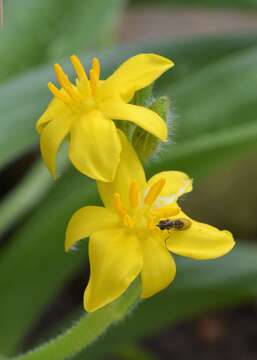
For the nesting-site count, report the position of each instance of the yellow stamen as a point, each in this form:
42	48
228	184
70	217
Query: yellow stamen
118	205
61	95
96	66
78	67
66	84
94	83
127	220
154	191
134	194
166	211
61	76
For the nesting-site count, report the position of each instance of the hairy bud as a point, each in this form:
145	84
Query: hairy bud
144	143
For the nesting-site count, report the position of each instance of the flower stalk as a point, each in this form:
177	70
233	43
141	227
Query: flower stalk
86	330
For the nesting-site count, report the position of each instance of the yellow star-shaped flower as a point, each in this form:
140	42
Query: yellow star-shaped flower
133	234
85	112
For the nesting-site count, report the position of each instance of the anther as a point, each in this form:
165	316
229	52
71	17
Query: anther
66	84
78	67
61	76
61	95
118	205
166	211
96	66
154	191
134	194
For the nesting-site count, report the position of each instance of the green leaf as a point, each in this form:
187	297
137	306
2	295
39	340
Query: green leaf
211	3
87	24
35	262
218	97
217	109
26	33
39	30
28	192
24	196
205	151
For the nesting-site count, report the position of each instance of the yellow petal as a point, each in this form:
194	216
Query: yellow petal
129	170
139	115
51	137
55	110
88	220
200	241
136	73
115	261
177	183
159	268
95	146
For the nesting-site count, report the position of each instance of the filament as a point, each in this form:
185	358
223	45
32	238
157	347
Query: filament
61	95
94	83
96	66
118	205
134	194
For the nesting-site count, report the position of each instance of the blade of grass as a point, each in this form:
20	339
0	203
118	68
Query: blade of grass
27	193
206	151
245	4
39	30
34	262
217	97
88	24
26	29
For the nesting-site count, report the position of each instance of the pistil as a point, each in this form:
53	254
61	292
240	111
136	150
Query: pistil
96	67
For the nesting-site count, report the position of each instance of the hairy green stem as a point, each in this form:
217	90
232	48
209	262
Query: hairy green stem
85	331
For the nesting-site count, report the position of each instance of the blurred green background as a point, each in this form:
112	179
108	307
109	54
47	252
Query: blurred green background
210	310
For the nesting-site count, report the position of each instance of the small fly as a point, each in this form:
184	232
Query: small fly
177	224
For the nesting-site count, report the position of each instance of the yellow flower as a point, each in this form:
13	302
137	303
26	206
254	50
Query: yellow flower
126	237
85	112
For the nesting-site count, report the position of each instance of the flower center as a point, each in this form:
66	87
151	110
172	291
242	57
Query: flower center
141	212
85	95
